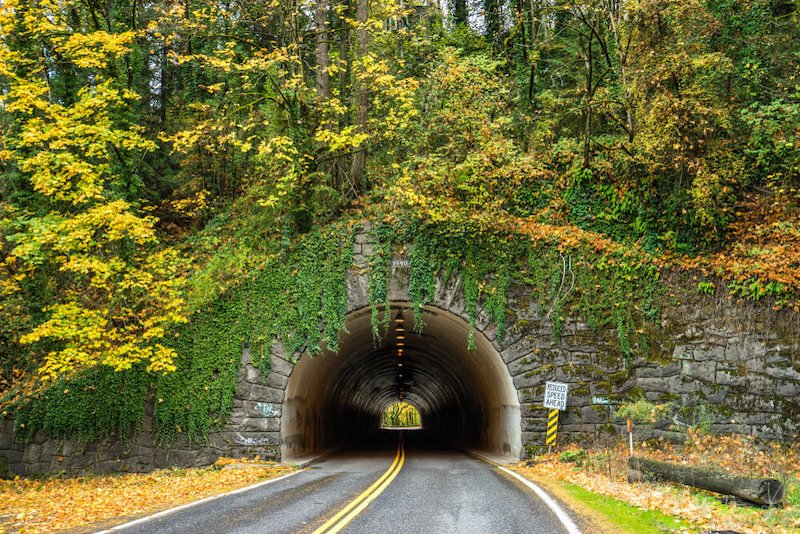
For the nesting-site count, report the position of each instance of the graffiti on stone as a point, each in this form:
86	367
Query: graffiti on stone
252	442
268	409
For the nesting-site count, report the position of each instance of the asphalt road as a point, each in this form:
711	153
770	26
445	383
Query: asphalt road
437	490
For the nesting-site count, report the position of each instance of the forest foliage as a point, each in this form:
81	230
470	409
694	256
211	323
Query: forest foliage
156	156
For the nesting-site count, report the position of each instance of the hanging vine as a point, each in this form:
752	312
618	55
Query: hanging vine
299	298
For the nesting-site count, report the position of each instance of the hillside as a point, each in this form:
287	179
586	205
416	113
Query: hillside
157	156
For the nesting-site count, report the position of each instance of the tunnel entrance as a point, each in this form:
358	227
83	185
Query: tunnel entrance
465	397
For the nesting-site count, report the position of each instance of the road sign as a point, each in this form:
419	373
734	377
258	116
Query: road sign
552	427
555	395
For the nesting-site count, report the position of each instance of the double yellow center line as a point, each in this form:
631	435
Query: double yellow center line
357	505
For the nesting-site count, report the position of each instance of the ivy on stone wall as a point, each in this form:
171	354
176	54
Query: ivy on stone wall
299	299
616	290
380	274
199	394
94	405
606	290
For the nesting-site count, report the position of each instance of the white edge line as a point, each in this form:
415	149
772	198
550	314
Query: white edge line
562	516
194	503
570	525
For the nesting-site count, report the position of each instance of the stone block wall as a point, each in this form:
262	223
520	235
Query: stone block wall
728	367
252	429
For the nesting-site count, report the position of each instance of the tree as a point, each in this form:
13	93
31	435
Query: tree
77	228
684	122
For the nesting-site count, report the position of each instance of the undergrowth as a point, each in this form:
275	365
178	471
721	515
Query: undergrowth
603	469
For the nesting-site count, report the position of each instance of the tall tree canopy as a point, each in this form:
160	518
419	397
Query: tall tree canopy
153	154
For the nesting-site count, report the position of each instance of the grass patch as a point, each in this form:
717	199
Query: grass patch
793	492
627	518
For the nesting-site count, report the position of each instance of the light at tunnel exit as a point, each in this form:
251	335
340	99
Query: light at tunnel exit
401	415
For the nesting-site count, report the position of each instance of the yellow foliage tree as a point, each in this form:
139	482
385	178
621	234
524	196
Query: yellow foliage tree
115	290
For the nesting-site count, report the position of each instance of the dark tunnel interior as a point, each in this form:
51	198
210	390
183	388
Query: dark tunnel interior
465	397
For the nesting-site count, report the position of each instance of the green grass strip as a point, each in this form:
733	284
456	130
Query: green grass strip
628	518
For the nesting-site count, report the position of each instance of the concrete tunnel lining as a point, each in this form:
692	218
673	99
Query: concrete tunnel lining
468	397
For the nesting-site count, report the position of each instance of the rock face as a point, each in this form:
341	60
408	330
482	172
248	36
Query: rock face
728	367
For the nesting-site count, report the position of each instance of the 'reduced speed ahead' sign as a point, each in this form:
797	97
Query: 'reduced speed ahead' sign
555	398
555	395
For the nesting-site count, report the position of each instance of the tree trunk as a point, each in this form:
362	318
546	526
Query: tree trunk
587	141
622	57
322	35
361	98
460	13
758	490
345	70
492	17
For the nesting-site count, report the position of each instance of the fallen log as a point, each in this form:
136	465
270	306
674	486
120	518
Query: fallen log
766	491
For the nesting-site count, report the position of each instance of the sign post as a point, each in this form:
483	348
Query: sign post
555	398
552	427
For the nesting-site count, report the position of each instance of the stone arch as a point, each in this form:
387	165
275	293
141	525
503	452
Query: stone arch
697	356
466	396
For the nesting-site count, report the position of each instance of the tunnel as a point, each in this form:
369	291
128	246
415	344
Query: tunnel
464	397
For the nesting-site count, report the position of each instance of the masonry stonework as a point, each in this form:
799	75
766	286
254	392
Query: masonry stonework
732	367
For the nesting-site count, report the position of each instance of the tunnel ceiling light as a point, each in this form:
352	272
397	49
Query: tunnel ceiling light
399	365
401	336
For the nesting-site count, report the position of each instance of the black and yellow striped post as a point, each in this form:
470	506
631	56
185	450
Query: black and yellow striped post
552	427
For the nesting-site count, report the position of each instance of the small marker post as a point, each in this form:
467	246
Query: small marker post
630	434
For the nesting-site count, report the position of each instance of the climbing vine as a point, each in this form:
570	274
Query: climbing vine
96	404
447	249
614	288
380	274
299	298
